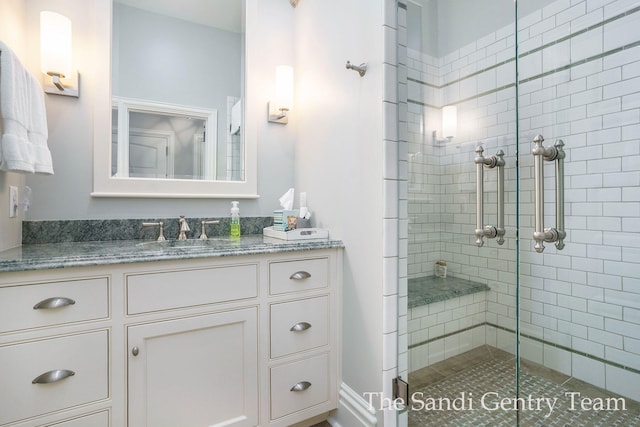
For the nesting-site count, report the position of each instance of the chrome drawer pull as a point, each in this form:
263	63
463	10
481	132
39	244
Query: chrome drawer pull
301	386
53	376
299	275
55	302
299	327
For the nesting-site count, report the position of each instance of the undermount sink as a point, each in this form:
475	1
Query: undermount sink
190	243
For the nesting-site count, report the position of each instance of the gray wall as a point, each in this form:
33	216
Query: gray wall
66	195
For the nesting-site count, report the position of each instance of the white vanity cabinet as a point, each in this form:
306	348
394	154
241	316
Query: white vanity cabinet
242	340
194	369
54	348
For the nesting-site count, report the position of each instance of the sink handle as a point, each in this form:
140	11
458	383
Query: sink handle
203	234
159	224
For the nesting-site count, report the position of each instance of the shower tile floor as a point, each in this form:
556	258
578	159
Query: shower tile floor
487	371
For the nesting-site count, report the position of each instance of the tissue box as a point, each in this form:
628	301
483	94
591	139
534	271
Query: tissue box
285	220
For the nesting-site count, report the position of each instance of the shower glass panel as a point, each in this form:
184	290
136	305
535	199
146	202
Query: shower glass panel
579	92
462	309
542	328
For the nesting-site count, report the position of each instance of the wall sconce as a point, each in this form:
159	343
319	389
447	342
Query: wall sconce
56	54
449	124
283	102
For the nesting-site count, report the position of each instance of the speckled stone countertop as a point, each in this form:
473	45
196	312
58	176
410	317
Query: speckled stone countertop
82	254
426	290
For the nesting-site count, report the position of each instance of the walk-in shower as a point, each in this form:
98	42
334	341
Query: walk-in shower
533	207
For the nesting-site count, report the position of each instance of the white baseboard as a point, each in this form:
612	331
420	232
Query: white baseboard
353	411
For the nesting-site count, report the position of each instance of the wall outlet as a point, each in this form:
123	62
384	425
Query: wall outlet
13	201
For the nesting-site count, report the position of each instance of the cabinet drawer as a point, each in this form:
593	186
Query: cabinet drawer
295	276
86	355
101	419
56	303
175	289
299	325
310	375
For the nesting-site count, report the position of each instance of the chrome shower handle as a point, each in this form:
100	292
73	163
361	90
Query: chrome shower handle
551	154
482	230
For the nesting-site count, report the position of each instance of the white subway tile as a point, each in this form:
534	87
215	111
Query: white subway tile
586	45
557	359
622	327
621	88
621	32
604	309
588	370
626	299
631	315
623	382
616	354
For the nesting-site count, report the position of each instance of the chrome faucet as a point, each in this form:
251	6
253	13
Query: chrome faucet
184	227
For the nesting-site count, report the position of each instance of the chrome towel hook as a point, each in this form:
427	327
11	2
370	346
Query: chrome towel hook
362	69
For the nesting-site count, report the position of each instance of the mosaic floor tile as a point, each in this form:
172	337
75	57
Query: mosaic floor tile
484	394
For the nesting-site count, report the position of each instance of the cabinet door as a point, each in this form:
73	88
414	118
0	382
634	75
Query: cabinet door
196	371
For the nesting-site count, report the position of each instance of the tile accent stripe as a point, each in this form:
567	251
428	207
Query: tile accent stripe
540	340
537	49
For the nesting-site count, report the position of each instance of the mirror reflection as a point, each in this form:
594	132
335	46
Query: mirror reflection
177	89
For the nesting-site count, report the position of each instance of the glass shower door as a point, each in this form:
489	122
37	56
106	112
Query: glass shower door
462	313
543	328
579	156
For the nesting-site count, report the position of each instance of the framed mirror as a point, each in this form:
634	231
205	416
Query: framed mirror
172	120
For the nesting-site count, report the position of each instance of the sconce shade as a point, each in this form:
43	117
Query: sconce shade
284	88
55	44
449	121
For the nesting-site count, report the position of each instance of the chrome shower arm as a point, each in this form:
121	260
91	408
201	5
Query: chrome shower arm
551	154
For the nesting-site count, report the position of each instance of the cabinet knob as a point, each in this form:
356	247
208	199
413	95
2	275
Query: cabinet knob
301	386
53	376
135	351
55	302
299	327
299	275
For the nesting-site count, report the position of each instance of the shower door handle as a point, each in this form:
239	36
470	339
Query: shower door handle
551	154
489	231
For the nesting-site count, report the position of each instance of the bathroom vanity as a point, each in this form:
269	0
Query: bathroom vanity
238	333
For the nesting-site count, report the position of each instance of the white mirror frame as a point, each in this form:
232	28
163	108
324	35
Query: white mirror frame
105	185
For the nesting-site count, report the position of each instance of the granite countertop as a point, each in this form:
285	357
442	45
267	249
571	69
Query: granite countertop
430	289
82	254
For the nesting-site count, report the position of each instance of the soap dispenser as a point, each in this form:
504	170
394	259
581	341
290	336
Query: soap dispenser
234	228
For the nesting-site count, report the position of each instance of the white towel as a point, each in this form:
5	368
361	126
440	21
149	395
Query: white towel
23	145
236	118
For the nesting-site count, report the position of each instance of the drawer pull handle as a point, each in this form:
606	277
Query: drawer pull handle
299	327
55	302
299	275
135	351
53	376
301	386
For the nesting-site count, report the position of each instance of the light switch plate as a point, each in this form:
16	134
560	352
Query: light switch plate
13	201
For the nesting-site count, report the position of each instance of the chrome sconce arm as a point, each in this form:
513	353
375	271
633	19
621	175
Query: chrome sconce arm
489	231
551	154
